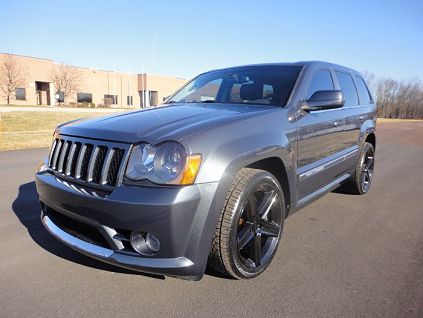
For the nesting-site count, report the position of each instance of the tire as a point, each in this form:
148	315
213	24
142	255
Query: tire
361	181
250	227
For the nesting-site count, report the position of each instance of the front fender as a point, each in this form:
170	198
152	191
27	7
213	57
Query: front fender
229	148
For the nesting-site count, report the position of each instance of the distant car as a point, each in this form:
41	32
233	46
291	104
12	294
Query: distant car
210	176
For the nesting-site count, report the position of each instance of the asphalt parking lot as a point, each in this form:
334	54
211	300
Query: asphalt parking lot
342	256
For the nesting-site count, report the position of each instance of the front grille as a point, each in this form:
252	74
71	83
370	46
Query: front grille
93	163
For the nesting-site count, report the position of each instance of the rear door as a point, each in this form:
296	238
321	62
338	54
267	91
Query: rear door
353	112
319	139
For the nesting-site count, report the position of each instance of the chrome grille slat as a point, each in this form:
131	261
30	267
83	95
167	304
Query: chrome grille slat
79	162
62	156
115	167
106	166
53	148
92	163
56	153
70	159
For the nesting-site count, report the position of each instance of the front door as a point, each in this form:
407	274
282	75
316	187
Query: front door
320	140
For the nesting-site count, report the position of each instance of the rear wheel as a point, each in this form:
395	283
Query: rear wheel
363	175
250	227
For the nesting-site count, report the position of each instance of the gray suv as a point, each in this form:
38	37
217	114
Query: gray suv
210	176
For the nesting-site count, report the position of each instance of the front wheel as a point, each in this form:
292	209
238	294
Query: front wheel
250	227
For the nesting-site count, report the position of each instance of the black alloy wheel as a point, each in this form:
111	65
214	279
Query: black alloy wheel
250	227
367	171
259	226
362	178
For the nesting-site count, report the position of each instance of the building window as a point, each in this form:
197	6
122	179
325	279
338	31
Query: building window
110	99
84	98
20	93
154	99
60	97
129	100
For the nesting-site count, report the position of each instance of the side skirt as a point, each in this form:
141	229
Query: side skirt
320	192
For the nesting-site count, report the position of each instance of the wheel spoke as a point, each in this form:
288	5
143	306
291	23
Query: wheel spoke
369	162
367	175
266	204
256	250
251	207
245	235
269	228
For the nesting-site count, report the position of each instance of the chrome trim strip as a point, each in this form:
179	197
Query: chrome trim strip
320	192
112	233
110	256
74	242
331	163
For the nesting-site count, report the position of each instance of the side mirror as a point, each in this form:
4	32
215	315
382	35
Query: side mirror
321	100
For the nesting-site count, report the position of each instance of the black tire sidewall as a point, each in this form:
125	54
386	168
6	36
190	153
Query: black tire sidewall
236	263
360	167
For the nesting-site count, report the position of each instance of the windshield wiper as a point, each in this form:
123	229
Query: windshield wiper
200	102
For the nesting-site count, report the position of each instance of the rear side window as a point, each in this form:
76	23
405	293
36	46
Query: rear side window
363	92
348	88
322	81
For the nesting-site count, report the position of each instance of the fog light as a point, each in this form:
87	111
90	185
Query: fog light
152	242
144	243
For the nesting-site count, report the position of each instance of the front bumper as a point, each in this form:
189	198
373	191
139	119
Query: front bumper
181	217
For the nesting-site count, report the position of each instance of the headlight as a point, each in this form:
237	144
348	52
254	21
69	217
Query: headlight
166	163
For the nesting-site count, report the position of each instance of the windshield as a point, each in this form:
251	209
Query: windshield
264	85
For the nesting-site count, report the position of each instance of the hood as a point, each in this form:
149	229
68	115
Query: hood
154	125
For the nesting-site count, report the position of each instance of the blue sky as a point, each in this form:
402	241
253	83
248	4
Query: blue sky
183	38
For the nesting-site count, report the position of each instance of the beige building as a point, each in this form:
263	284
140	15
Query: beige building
100	87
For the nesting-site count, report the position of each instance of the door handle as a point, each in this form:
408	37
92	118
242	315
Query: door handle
361	117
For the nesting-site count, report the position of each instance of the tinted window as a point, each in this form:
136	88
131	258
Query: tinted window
154	99
322	81
60	97
363	92
110	99
84	98
348	88
265	85
20	93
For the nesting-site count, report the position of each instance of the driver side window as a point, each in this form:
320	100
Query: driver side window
322	81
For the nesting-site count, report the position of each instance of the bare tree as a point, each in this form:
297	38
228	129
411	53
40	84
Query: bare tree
65	79
399	99
11	76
